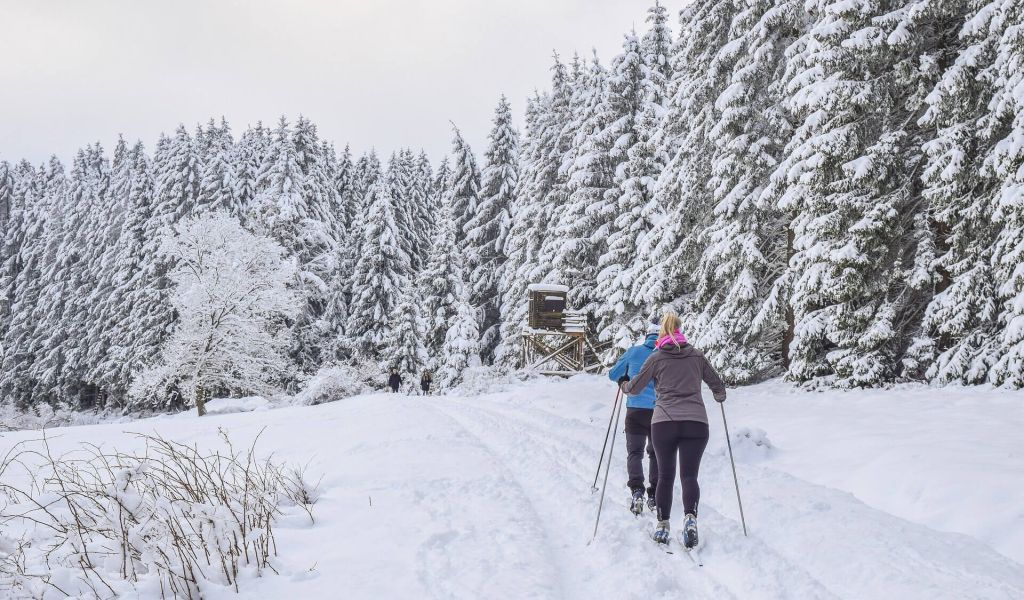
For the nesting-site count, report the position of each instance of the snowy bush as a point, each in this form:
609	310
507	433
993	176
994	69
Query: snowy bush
41	416
751	444
333	382
168	521
485	380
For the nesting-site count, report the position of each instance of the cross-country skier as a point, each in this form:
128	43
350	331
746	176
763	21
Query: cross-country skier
679	426
395	381
639	409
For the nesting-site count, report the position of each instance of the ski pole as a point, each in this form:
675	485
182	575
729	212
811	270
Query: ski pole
735	480
607	467
618	395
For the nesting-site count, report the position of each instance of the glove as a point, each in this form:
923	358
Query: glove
720	399
624	379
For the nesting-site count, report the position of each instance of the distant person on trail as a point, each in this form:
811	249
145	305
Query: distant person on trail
425	380
679	425
395	381
639	410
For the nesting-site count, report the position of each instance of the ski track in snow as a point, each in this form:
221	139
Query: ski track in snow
489	496
807	541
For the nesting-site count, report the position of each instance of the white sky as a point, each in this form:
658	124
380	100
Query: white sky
383	73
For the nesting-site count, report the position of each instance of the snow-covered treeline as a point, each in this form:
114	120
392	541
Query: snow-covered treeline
92	297
826	189
833	189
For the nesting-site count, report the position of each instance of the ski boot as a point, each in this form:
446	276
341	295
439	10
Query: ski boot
637	505
662	533
690	531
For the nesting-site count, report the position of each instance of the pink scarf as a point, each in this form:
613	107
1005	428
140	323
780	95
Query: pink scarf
676	337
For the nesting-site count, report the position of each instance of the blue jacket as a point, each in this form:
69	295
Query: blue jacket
629	364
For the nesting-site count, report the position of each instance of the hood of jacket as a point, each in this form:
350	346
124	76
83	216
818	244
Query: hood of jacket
684	351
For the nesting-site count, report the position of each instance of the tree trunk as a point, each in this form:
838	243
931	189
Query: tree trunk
787	339
200	400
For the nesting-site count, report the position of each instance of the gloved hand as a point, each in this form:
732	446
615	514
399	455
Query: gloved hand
720	399
623	379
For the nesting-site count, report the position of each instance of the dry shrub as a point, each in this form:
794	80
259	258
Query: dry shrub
162	521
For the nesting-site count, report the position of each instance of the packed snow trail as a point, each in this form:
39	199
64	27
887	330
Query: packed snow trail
489	496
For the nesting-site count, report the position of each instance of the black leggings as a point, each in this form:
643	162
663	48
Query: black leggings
688	439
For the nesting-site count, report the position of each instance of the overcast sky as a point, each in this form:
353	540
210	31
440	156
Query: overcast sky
383	73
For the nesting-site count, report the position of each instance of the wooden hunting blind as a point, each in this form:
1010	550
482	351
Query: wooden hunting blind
547	306
555	341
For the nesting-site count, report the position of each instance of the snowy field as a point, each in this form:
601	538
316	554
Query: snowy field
912	493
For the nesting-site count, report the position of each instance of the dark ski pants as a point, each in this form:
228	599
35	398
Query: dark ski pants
687	439
638	437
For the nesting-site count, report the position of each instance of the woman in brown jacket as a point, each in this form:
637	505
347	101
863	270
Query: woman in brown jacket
679	426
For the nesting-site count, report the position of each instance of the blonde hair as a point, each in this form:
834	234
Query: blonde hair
670	322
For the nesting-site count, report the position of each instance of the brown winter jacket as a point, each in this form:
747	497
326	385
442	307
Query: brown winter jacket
677	372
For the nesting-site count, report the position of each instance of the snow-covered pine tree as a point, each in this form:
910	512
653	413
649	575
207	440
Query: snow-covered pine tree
381	271
401	175
23	282
217	179
317	182
140	317
631	112
340	288
177	176
425	174
403	347
464	191
286	214
437	283
6	185
546	184
441	183
849	179
582	223
540	191
62	362
736	319
1006	164
970	330
232	293
656	52
102	297
249	155
422	207
663	266
461	348
368	170
487	230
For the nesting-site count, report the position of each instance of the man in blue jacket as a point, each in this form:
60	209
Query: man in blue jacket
639	409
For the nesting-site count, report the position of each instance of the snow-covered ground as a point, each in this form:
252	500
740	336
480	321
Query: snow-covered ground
912	493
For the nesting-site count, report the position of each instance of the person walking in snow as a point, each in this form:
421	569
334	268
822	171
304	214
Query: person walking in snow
395	381
679	425
425	380
639	410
